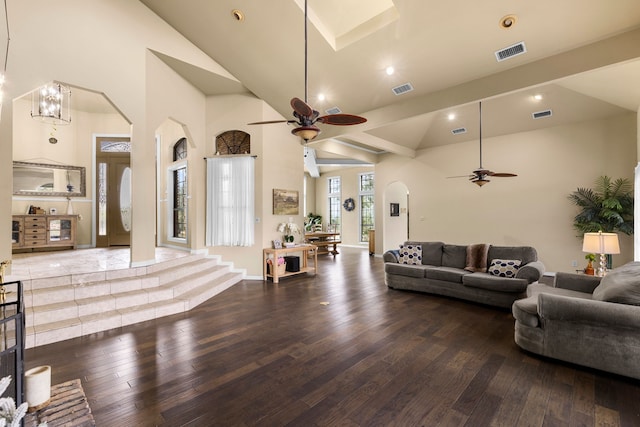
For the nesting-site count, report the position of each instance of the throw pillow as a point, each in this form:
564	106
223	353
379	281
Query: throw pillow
411	254
504	267
620	285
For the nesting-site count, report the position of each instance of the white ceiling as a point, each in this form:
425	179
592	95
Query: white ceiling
581	56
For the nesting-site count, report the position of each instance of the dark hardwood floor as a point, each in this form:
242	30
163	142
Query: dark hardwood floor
335	349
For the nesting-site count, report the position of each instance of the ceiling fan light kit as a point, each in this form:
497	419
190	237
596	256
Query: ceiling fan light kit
307	117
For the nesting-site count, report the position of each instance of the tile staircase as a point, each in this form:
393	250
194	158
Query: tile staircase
69	306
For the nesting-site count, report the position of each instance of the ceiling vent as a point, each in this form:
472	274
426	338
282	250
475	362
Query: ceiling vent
511	51
333	110
458	131
542	114
399	90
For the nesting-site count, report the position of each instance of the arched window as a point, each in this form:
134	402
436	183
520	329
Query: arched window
180	149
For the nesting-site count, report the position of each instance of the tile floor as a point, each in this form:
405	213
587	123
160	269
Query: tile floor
36	265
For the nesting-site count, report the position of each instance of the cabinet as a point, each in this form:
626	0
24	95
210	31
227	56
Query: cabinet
29	232
17	232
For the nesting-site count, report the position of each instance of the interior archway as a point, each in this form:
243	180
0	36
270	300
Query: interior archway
72	144
396	227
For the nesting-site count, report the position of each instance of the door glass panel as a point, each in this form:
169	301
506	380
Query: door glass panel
125	199
115	146
102	199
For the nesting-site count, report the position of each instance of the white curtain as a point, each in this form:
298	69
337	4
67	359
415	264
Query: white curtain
230	201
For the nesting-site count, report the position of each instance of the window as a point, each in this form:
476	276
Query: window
230	216
334	201
366	192
180	203
180	150
178	195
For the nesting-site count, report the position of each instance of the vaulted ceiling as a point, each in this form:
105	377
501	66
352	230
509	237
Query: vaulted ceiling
583	58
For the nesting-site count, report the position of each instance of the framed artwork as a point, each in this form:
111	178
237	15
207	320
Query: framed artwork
277	244
285	202
395	209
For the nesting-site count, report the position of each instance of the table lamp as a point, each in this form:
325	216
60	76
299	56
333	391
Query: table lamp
603	244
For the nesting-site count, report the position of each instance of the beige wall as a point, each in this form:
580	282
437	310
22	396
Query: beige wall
278	165
110	55
350	229
531	209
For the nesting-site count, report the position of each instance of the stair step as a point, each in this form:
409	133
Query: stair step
74	308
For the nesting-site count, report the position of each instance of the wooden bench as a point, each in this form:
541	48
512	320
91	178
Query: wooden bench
326	242
323	246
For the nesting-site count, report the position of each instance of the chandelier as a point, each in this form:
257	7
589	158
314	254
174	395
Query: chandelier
50	104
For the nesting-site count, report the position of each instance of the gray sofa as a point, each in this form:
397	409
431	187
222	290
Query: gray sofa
585	320
440	270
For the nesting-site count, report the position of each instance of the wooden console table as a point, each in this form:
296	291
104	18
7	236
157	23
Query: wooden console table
304	250
323	241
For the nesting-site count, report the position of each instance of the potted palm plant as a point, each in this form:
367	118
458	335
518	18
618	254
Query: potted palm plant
608	207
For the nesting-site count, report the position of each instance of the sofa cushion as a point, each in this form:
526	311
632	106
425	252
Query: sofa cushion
410	254
448	274
535	289
525	254
454	256
404	270
494	283
477	257
431	252
621	285
504	267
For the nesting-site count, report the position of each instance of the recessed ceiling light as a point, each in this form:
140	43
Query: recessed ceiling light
537	97
451	116
321	97
390	70
508	21
236	13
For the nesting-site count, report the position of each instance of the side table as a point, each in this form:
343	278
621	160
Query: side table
304	250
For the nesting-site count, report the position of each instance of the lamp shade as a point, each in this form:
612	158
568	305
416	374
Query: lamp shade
601	243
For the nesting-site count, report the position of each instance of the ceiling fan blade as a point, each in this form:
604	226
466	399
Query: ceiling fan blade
301	107
272	121
502	175
341	119
462	176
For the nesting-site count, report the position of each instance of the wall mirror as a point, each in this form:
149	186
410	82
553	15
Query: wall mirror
39	179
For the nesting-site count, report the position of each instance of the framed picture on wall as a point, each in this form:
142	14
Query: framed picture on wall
395	209
285	202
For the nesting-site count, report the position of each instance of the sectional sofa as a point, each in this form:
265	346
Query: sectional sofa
587	320
492	275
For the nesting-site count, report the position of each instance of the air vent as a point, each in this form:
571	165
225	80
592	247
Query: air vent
458	131
333	110
511	51
399	90
542	114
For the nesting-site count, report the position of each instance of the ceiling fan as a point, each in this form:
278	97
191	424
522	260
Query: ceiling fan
479	176
305	116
